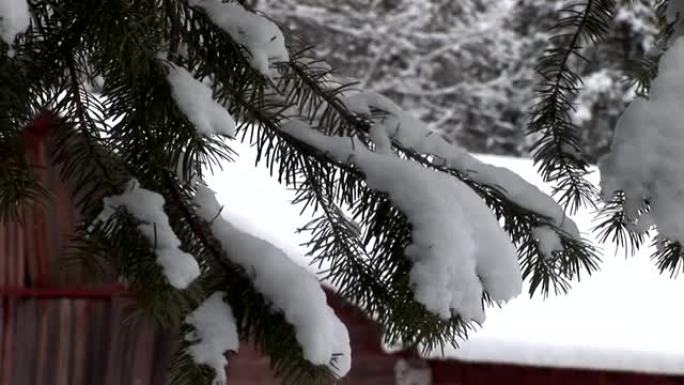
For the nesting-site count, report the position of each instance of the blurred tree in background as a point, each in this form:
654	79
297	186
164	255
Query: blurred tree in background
428	55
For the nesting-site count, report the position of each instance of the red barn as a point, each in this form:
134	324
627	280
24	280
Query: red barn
53	331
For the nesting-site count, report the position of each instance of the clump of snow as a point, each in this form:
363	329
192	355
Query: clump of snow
179	267
15	18
262	38
403	128
289	287
215	333
646	161
548	241
195	100
458	248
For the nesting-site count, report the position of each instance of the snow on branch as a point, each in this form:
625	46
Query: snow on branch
289	287
15	18
646	162
215	333
413	134
458	249
195	100
259	35
179	267
548	241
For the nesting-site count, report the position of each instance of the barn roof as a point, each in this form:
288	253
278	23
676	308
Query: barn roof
625	317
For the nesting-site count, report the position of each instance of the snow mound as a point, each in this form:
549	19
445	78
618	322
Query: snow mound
179	267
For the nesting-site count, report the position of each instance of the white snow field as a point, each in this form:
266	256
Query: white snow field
625	317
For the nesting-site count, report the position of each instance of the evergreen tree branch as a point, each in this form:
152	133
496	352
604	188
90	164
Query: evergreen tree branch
519	222
558	151
19	187
131	45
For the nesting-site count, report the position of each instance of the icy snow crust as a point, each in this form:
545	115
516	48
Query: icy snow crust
624	317
179	267
195	100
291	289
458	248
215	333
646	161
15	18
262	38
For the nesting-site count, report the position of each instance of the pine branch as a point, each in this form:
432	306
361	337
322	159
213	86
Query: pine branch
669	256
19	187
577	257
614	225
257	321
354	121
558	150
396	310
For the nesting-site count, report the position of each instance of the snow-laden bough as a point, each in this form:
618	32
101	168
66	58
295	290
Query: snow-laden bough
458	249
179	267
289	288
196	102
259	35
403	128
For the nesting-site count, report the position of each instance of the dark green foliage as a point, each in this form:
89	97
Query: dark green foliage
669	256
559	152
97	64
18	186
613	225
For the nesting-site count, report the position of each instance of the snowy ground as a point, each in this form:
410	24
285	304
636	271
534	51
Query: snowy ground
625	317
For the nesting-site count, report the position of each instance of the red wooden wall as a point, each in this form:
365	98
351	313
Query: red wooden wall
54	331
31	248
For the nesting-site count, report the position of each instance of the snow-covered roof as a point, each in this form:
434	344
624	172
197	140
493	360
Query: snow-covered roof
625	317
